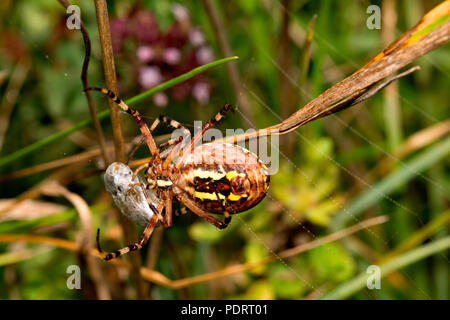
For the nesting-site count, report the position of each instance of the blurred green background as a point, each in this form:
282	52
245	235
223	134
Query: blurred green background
333	172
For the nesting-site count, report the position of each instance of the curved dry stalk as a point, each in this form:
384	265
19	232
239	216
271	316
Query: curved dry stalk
53	188
35	191
423	138
158	278
85	81
432	31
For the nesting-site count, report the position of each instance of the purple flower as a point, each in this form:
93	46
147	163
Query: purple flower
150	77
201	92
171	56
156	56
144	27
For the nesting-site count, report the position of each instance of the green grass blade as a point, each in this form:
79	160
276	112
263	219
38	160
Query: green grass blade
402	175
103	114
349	288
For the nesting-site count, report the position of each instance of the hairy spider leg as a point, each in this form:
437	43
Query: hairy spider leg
141	123
162	145
171	142
174	124
135	246
183	154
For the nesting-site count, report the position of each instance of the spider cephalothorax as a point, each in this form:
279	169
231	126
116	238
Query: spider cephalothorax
218	178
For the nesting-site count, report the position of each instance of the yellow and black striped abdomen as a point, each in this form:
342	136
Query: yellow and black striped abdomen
221	177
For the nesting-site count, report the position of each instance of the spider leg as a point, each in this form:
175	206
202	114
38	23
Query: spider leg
139	169
176	141
227	107
227	219
171	142
180	211
99	248
201	213
145	235
155	123
132	247
141	123
168	220
173	123
157	210
176	125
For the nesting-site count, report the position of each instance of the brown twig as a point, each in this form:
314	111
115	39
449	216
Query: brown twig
85	81
110	75
153	251
233	73
392	110
77	158
111	84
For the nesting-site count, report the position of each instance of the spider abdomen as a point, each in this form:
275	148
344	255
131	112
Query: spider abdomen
222	177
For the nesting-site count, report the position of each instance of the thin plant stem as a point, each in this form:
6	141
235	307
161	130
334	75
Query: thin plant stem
351	287
233	73
104	114
109	70
85	81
